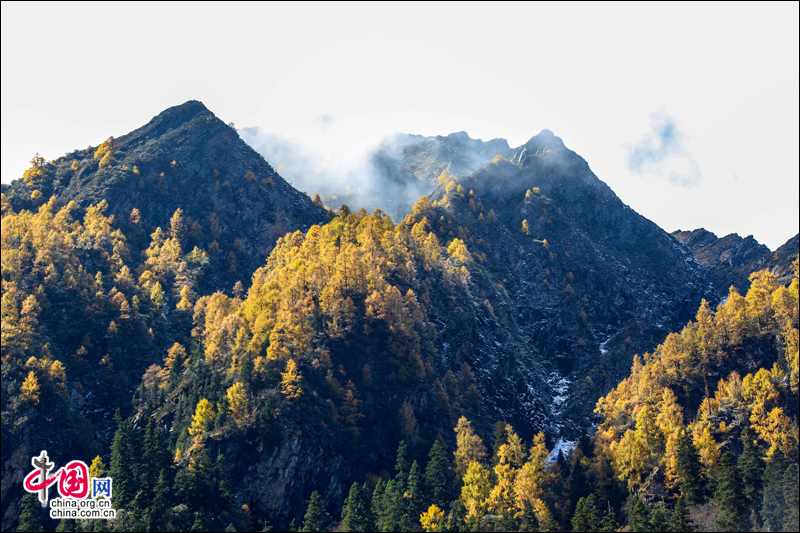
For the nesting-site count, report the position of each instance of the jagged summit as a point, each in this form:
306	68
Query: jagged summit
731	259
545	140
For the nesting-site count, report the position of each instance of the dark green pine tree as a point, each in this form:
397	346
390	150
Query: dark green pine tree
438	476
680	520
293	525
584	442
378	513
639	519
246	371
416	492
393	507
562	464
356	512
791	486
157	512
773	506
401	466
223	489
586	517
315	514
230	528
123	467
155	458
691	471
577	482
658	519
751	468
29	515
729	495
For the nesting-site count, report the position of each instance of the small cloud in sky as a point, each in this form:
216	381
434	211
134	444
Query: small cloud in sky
324	122
662	152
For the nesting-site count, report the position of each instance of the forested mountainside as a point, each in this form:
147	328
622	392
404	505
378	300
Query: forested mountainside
731	259
411	361
391	176
234	205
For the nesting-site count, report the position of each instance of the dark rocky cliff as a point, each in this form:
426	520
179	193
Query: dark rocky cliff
731	259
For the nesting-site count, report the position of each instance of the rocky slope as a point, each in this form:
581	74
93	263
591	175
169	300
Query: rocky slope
577	280
731	259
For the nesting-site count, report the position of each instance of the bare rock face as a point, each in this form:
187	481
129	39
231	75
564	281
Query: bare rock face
731	259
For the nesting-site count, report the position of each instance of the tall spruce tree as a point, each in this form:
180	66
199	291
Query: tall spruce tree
773	506
658	519
587	517
356	512
679	519
401	465
751	467
378	512
123	465
438	476
694	485
315	514
729	495
639	519
791	494
415	493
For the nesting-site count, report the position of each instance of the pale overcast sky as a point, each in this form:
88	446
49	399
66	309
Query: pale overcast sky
688	111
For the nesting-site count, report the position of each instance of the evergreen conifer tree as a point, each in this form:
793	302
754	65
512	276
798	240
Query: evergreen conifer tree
679	519
729	495
773	506
29	516
658	519
378	513
438	476
691	471
315	514
586	517
751	467
639	519
123	463
401	465
415	491
791	486
356	512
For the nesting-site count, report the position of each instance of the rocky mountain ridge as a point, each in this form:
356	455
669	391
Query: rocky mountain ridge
731	259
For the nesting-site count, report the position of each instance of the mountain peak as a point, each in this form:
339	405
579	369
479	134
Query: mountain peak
546	139
175	117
